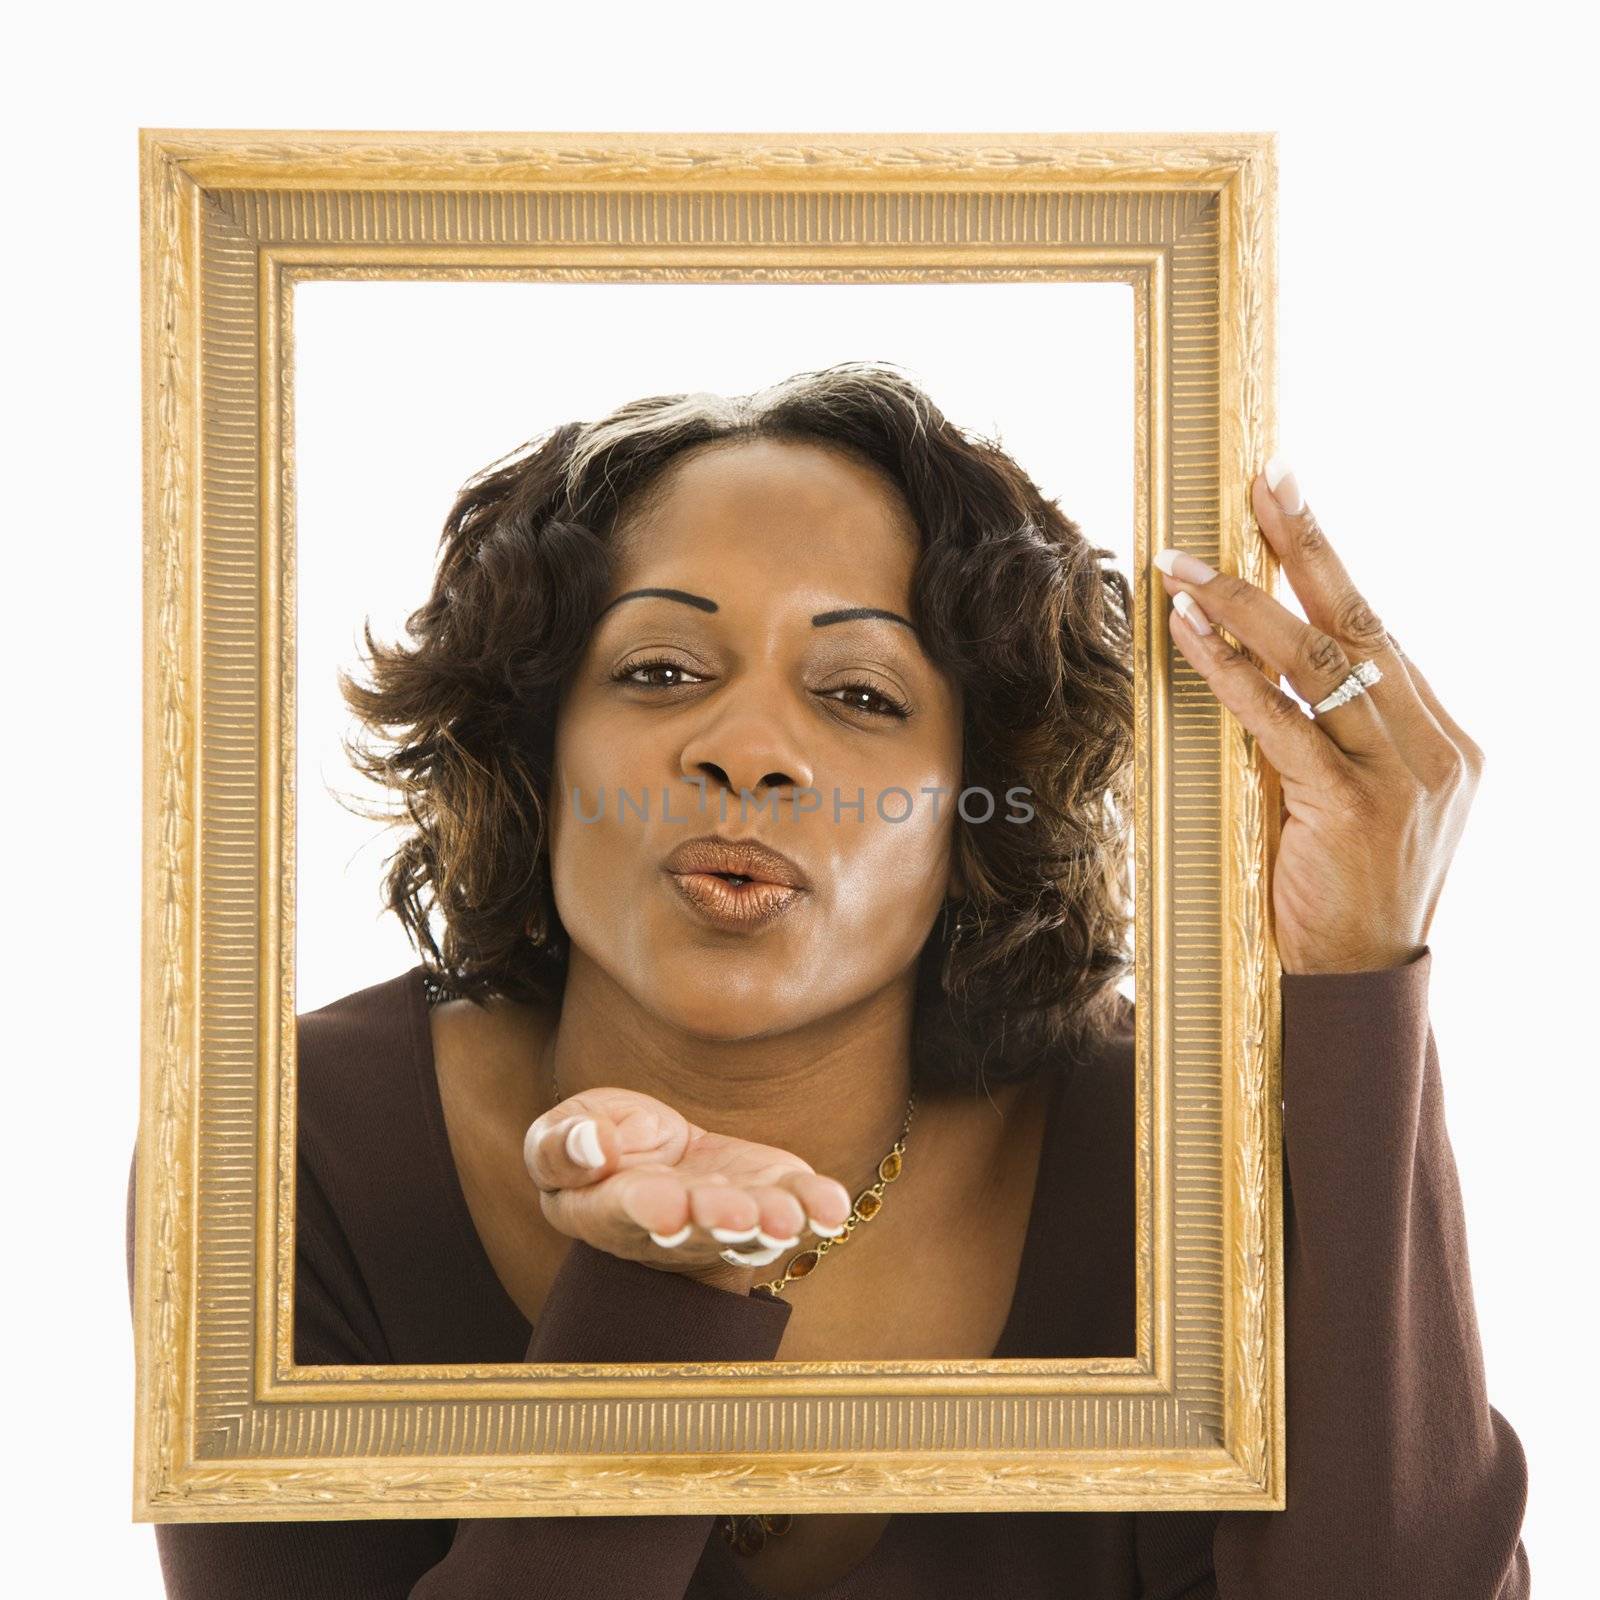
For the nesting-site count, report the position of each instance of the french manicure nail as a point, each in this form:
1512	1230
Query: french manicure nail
767	1242
583	1144
820	1228
671	1241
1180	564
1284	485
1192	614
734	1235
751	1258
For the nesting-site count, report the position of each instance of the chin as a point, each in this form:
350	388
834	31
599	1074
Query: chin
705	1007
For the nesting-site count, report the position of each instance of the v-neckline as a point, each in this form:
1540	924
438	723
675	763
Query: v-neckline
483	1267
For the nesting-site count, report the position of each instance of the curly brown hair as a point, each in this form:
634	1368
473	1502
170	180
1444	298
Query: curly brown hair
1008	598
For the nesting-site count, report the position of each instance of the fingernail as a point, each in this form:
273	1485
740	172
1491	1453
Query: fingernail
1180	564
583	1144
671	1241
1284	485
826	1232
1192	614
734	1235
750	1258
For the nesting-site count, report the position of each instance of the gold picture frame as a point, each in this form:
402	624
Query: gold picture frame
228	1428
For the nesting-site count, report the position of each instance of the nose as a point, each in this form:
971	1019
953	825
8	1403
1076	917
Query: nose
751	747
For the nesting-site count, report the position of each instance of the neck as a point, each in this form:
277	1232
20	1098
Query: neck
833	1092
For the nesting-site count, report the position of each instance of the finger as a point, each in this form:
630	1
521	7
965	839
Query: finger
1448	724
724	1211
1319	579
825	1201
1314	663
569	1152
1299	751
657	1202
781	1207
663	1206
621	1213
1334	604
781	1217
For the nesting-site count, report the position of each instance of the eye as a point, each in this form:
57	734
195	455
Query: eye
629	673
896	706
880	702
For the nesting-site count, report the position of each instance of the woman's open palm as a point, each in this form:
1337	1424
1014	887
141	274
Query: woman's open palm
629	1175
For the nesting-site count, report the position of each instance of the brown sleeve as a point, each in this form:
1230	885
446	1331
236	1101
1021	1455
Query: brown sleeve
1402	1478
600	1309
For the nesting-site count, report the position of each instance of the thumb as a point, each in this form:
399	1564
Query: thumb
570	1152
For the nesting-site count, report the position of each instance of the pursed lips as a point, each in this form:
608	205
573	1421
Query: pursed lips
735	863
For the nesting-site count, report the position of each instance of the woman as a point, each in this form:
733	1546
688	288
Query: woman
722	982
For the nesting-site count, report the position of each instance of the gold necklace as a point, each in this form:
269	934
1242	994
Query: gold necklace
748	1533
867	1205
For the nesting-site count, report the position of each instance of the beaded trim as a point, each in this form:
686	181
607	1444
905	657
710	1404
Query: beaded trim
433	990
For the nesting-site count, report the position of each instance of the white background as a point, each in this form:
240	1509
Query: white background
388	425
1436	356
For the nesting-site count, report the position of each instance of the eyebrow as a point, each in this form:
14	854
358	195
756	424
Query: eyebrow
821	620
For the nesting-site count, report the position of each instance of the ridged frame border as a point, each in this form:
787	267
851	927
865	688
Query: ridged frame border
227	1427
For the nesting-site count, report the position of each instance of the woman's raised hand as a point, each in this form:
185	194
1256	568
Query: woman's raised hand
631	1176
1375	791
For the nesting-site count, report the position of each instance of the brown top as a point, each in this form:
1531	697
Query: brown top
1403	1479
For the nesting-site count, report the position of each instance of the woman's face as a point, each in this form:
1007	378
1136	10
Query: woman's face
749	692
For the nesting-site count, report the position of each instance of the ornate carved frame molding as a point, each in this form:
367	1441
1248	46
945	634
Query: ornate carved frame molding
228	1428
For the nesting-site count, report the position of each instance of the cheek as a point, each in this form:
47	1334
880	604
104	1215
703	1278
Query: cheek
890	869
593	761
593	839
